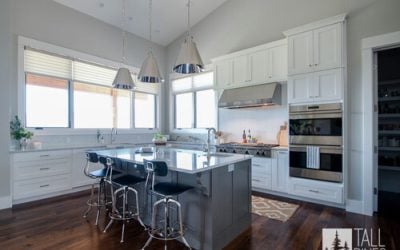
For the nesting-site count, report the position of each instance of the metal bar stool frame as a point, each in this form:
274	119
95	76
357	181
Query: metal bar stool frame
115	214
166	233
99	176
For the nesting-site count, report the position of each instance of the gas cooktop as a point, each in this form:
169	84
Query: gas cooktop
256	149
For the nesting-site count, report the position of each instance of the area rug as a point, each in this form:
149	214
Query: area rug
272	209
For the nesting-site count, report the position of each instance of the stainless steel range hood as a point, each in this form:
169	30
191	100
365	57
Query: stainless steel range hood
252	96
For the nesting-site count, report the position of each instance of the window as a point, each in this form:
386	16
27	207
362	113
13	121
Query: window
195	105
145	110
66	93
46	102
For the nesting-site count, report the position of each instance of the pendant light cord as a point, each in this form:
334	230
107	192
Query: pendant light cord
188	22
150	24
123	32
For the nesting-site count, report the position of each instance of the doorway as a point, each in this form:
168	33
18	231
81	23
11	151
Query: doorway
387	128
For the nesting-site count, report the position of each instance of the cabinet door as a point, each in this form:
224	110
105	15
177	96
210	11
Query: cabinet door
327	85
299	88
278	64
280	171
259	66
241	73
300	51
223	74
327	47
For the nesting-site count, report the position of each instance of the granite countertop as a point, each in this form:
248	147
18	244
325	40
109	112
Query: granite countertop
181	160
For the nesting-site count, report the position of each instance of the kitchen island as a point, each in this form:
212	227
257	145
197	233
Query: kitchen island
218	208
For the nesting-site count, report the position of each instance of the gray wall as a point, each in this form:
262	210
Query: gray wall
239	24
5	46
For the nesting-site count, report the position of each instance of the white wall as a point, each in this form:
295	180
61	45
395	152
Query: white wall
239	24
264	123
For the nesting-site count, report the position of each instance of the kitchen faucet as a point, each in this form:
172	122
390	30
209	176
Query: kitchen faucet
113	135
209	130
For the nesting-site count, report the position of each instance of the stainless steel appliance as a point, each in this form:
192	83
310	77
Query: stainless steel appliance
252	96
316	124
259	150
315	142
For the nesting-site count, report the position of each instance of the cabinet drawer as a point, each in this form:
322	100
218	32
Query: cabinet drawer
261	181
41	186
41	168
330	192
261	165
43	155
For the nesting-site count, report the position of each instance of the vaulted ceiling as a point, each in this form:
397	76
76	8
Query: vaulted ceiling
169	16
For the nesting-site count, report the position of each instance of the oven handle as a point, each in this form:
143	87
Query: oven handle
322	149
315	116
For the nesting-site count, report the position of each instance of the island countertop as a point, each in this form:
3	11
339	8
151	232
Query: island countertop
180	160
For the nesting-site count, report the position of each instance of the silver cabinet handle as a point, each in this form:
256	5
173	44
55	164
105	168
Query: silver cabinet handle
255	180
41	169
44	155
316	64
310	65
256	165
42	186
313	191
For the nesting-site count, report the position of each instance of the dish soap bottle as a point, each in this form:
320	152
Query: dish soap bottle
244	137
249	137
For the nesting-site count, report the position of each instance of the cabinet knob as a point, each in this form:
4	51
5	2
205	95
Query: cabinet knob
316	64
310	65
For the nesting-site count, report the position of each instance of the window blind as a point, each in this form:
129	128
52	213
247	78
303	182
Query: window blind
90	73
152	88
45	64
192	83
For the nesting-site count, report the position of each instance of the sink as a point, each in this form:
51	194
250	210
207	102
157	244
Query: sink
120	146
217	155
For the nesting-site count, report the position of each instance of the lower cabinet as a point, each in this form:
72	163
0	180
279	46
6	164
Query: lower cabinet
37	174
271	173
318	190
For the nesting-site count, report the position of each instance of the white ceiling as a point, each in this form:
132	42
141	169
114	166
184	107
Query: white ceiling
169	16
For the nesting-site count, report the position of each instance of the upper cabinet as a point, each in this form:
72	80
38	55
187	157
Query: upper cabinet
262	64
317	61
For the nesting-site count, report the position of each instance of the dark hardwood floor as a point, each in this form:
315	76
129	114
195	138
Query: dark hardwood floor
57	223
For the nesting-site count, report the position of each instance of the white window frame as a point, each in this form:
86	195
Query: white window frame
172	115
21	95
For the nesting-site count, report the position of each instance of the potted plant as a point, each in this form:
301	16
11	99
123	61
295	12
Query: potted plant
159	139
20	133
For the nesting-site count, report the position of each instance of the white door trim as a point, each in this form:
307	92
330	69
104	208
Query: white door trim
369	45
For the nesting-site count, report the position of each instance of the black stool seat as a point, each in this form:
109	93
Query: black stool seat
170	189
101	173
127	180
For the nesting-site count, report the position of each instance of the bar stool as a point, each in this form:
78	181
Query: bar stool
100	176
124	187
166	191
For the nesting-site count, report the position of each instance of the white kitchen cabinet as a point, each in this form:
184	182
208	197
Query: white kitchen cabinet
280	171
327	47
259	64
300	49
224	74
317	46
41	173
321	86
261	172
262	64
318	190
241	70
277	63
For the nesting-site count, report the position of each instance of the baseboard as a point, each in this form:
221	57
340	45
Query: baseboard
354	206
5	202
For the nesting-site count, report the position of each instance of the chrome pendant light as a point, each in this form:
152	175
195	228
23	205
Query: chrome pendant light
123	79
189	60
149	71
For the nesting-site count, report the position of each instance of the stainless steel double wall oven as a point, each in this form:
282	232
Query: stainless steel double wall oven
316	142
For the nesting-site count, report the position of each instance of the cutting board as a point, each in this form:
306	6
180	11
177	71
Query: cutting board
283	136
